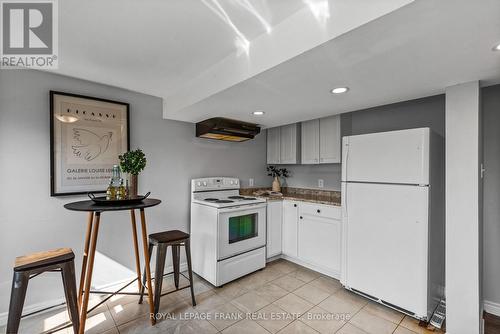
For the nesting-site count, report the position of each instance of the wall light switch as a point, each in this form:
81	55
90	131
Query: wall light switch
250	182
321	183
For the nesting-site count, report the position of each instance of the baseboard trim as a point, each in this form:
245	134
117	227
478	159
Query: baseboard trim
492	307
273	258
324	271
55	304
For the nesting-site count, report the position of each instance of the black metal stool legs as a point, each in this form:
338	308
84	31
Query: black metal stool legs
69	283
20	284
161	254
176	263
162	240
17	295
187	246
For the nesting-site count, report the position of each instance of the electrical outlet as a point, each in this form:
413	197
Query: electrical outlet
321	183
250	182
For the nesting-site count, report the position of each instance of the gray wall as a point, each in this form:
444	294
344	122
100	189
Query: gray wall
306	176
31	220
425	112
491	194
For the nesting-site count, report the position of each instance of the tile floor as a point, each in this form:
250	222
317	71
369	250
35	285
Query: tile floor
282	298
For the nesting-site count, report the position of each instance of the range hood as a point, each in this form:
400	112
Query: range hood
226	129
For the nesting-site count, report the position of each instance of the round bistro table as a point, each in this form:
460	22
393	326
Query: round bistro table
94	218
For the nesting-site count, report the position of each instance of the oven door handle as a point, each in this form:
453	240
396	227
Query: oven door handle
243	207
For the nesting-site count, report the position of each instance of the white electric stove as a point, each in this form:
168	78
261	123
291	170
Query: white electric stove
228	231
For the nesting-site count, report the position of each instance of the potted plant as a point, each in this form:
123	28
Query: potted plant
277	173
133	162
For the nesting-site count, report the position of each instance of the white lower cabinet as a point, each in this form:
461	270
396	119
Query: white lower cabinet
290	217
319	241
274	227
306	233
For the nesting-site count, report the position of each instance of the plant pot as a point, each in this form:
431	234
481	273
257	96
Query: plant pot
133	188
276	184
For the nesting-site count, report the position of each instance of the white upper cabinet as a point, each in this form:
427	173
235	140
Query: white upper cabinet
329	140
282	145
310	142
288	144
321	141
273	145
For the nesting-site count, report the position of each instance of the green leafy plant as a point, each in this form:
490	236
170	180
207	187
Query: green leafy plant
133	162
277	172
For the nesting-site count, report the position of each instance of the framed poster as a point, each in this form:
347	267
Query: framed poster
86	136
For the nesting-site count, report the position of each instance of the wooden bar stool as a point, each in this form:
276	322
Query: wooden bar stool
29	266
162	240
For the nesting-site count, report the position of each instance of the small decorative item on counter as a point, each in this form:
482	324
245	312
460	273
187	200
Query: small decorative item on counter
277	173
267	193
133	162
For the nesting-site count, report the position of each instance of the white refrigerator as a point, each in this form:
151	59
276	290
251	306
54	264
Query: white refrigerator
393	219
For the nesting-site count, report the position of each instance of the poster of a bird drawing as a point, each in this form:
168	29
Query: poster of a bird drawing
88	134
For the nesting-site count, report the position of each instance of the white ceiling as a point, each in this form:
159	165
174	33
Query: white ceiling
154	46
161	47
413	52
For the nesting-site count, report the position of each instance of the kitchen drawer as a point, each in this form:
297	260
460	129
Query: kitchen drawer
320	210
237	266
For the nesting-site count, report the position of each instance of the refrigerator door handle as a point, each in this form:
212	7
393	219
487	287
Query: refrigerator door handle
345	158
344	227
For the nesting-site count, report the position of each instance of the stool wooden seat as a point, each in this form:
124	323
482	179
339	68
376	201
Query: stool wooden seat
40	259
168	237
31	265
162	240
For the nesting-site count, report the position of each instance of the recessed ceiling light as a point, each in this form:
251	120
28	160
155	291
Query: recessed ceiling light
258	113
339	90
496	47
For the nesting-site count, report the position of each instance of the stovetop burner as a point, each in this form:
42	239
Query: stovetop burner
236	197
224	201
249	198
211	199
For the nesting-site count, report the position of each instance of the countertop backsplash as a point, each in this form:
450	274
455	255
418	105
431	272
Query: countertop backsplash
300	194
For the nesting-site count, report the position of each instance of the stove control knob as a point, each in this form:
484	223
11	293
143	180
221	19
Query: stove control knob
232	182
199	184
236	182
204	183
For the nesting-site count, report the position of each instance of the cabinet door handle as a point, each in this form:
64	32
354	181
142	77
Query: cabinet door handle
319	211
295	205
301	217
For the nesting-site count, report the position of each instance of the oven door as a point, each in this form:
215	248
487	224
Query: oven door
241	229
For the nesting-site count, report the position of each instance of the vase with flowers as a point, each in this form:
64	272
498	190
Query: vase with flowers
277	173
132	162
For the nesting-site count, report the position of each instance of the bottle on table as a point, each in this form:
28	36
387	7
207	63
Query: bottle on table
110	192
120	193
115	183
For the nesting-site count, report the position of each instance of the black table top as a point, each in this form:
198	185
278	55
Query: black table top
91	206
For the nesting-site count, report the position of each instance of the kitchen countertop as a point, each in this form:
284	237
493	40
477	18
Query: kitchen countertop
297	194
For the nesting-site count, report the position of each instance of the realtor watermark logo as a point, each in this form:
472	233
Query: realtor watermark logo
28	37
